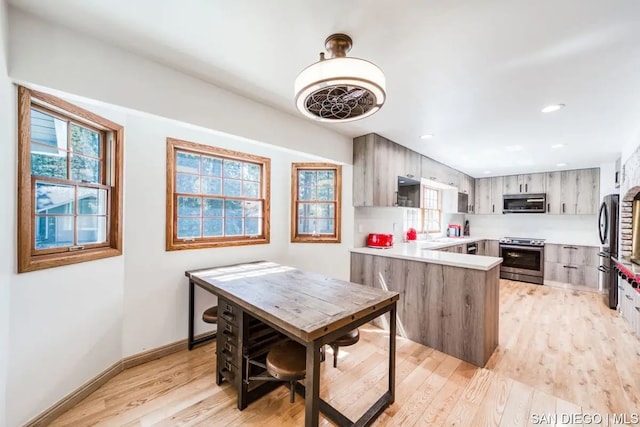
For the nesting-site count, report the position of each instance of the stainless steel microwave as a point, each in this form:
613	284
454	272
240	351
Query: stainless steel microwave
524	203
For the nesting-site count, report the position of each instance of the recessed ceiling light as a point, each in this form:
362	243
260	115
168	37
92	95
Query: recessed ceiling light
557	146
553	107
561	164
487	172
426	136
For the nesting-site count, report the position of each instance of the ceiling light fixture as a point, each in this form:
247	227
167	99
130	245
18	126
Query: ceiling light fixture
426	136
487	172
557	146
340	89
561	164
552	108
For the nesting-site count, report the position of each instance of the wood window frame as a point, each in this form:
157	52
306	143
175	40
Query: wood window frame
320	238
30	259
425	209
173	243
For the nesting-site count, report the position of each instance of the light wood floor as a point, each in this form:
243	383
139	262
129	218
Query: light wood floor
560	351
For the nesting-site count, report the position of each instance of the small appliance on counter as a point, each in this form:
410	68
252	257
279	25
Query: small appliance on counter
381	241
454	230
412	234
466	228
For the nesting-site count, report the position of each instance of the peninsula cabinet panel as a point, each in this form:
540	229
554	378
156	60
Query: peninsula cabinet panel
451	309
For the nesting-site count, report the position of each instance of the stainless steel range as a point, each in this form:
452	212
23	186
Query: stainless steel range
522	259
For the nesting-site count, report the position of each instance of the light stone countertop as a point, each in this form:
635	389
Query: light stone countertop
426	252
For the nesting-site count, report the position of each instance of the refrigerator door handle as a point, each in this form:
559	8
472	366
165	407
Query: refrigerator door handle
603	213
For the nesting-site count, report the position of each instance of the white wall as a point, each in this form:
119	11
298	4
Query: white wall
68	324
155	299
78	64
608	180
7	136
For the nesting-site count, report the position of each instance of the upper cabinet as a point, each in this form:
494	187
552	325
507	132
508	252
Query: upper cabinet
488	195
573	192
378	162
524	184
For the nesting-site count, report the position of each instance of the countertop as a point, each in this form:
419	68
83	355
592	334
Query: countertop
630	266
426	252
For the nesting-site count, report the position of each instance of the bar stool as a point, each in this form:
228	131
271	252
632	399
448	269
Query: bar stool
350	338
287	362
210	315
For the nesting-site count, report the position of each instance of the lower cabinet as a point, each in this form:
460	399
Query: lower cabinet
576	265
492	248
629	304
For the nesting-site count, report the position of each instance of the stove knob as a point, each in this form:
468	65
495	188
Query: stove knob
634	284
624	276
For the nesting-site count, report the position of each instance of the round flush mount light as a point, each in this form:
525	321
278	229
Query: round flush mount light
557	146
340	89
553	107
487	172
426	136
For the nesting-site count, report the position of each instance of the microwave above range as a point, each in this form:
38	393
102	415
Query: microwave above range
524	203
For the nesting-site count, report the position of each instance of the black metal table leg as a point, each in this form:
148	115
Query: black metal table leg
312	389
392	353
191	309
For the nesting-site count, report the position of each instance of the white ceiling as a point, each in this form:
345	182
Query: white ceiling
475	73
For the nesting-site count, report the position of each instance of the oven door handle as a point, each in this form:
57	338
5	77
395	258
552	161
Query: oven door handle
525	248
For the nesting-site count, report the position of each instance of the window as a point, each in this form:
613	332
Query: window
432	210
215	197
69	185
315	202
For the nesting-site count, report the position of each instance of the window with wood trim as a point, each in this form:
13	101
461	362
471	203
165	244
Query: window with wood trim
431	210
316	194
69	183
215	197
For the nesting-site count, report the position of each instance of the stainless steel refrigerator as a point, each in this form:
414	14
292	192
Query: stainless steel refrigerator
608	233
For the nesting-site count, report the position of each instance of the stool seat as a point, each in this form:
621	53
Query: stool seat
287	361
210	315
350	338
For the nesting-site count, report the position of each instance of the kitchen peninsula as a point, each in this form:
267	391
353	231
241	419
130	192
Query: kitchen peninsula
448	301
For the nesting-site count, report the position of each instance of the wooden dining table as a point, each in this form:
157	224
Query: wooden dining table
309	308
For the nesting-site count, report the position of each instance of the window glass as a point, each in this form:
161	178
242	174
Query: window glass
219	199
316	201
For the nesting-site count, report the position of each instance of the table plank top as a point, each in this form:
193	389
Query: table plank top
307	305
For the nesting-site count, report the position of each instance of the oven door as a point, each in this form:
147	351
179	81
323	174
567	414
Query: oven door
525	260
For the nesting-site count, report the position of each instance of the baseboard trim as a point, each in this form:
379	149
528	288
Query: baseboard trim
62	406
66	403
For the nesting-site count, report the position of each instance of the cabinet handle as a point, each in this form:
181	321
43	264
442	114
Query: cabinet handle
569	247
638	308
563	208
493	208
602	268
628	297
570	266
526	188
548	207
521	188
396	203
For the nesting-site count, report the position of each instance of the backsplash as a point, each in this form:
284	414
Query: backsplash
394	221
570	229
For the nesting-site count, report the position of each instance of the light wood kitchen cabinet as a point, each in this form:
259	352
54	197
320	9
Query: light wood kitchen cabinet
436	171
573	264
629	304
492	248
524	184
377	164
497	183
483	196
466	185
573	192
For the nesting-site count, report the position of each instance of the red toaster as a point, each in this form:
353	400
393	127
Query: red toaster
376	240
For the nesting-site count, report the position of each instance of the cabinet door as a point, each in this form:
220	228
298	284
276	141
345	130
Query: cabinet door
553	183
428	168
385	182
512	184
588	191
569	193
483	196
533	183
551	253
411	164
492	248
364	172
463	183
472	195
497	182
